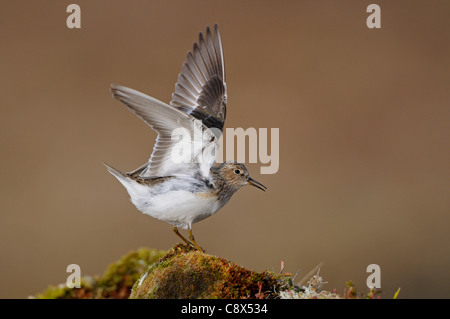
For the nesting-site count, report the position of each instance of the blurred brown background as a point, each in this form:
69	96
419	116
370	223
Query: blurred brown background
364	141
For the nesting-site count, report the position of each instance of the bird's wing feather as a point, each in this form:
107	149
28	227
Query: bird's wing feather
184	145
200	90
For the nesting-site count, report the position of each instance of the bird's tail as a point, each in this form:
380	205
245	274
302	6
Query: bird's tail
121	177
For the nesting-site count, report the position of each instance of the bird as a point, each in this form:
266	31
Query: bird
183	188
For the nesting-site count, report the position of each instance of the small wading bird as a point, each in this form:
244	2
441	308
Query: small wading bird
190	188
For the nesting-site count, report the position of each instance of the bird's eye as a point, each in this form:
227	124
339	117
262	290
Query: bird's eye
237	171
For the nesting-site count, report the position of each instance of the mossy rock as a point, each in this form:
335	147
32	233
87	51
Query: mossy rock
189	274
184	272
115	283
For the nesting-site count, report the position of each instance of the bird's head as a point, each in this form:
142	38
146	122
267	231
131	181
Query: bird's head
236	175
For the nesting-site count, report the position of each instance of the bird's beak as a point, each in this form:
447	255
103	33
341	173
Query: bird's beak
257	184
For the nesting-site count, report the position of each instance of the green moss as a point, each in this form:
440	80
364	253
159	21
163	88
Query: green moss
188	273
116	282
124	273
184	272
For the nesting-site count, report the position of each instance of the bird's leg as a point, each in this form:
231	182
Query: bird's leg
191	237
175	230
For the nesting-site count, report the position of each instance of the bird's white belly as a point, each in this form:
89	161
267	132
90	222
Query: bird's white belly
179	207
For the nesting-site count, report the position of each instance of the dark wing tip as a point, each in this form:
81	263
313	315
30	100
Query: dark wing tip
204	79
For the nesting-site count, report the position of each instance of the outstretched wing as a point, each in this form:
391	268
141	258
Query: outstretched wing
201	89
184	145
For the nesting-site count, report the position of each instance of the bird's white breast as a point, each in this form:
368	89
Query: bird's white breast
178	205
